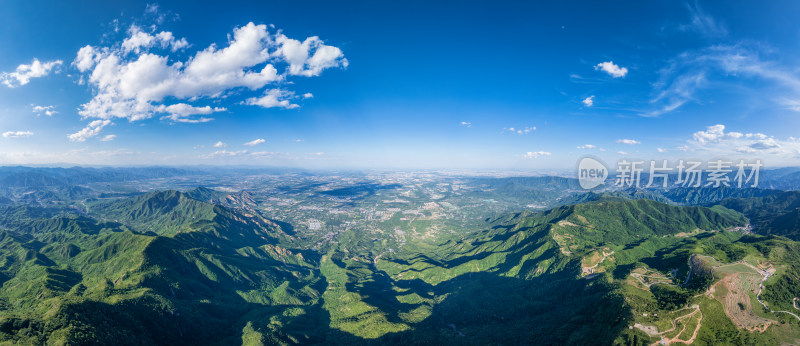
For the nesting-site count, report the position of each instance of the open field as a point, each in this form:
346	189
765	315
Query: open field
592	261
737	290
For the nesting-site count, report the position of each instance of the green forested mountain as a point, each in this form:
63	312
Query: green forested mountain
547	188
75	280
168	212
778	213
163	212
710	195
204	194
169	268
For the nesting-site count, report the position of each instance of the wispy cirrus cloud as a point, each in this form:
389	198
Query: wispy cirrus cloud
264	154
682	79
520	131
224	153
702	23
249	155
535	154
255	142
673	91
116	152
628	141
91	130
17	134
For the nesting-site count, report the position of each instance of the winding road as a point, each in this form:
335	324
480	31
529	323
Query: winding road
766	275
661	277
761	287
676	338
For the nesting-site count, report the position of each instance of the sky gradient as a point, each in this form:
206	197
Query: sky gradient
409	85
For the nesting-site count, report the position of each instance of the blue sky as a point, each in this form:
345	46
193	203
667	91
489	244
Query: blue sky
398	84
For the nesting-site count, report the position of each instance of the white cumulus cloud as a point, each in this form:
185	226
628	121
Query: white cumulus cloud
310	57
136	79
24	72
612	69
46	110
220	144
273	98
716	142
139	40
589	101
181	112
717	132
86	59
